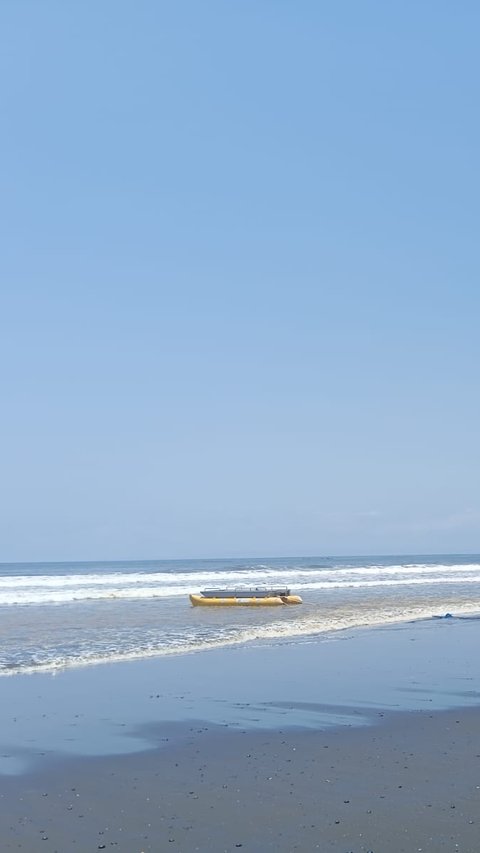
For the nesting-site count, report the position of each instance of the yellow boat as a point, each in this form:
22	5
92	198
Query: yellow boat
244	598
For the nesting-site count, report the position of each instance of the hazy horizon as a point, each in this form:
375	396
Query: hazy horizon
239	557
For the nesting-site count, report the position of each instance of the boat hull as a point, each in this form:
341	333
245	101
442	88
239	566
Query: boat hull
270	601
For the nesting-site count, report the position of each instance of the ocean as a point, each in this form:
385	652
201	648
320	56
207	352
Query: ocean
59	615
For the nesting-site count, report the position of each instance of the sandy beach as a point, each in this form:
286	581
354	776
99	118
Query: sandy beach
398	773
410	783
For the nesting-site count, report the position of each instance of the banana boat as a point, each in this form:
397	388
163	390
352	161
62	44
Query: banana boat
251	597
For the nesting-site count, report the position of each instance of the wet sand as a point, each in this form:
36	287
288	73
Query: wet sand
410	782
370	743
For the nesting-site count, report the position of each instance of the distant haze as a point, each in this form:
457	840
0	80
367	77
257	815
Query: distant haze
239	279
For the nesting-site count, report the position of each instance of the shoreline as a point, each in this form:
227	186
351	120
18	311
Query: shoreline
469	612
311	684
367	742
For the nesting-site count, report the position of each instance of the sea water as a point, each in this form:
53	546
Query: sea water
59	615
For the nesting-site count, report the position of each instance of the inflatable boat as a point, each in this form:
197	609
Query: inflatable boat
245	597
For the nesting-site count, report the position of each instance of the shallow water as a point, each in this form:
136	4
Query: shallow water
69	614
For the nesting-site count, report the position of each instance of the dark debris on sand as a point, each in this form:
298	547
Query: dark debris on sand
409	784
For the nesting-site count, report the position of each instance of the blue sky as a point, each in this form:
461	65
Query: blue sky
239	278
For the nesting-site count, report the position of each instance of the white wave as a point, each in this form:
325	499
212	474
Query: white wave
258	573
180	579
46	589
368	584
321	624
66	596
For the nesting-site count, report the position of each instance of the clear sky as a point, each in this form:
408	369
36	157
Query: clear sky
239	266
